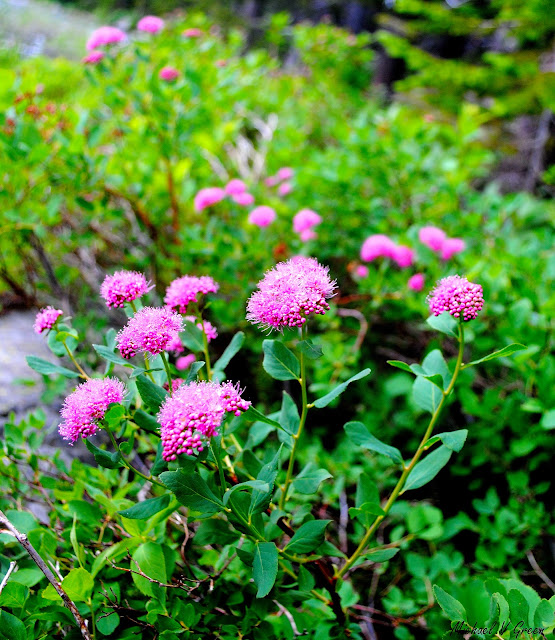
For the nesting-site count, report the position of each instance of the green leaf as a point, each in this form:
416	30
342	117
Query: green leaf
289	417
360	435
380	555
452	608
310	350
151	394
193	371
254	415
104	458
428	468
78	584
230	351
113	553
444	323
518	606
260	500
214	531
279	361
544	614
399	364
308	537
325	400
147	508
146	421
107	621
14	595
502	353
309	479
48	368
11	627
265	566
426	395
453	440
366	512
159	463
548	419
109	355
259	485
191	336
151	561
192	491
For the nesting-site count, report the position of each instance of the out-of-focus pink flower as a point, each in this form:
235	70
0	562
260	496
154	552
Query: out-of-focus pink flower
416	282
209	329
459	297
403	255
362	271
262	216
451	246
169	74
122	287
94	57
235	187
208	197
184	362
192	33
104	36
194	414
221	63
432	237
182	291
243	199
85	407
285	188
150	330
308	234
46	318
285	173
305	219
271	181
150	24
289	293
176	383
175	345
377	246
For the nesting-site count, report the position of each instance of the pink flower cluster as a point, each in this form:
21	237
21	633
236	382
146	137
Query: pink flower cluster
192	33
150	24
282	176
207	197
85	407
169	74
94	57
437	241
459	297
236	189
381	246
185	290
262	216
194	414
185	362
150	330
209	329
122	287
46	318
304	223
105	36
289	293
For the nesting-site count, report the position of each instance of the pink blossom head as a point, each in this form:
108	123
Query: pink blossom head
176	383
285	173
235	187
192	33
122	287
94	57
262	216
271	181
451	246
243	199
416	282
46	318
186	289
207	327
377	246
184	362
289	293
85	407
105	36
403	255
150	24
305	219
169	74
459	297
308	234
150	330
175	345
194	414
362	271
207	197
285	188
432	237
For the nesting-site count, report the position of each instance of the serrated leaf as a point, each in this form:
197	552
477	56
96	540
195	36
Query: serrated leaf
444	323
147	508
104	458
325	400
428	468
310	350
14	595
48	368
230	351
452	608
360	435
502	353
308	537
309	479
265	566
192	491
279	361
11	627
151	394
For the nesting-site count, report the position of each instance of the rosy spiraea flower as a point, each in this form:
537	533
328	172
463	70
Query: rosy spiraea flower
451	246
192	33
285	173
194	414
184	362
285	188
403	255
150	330
169	74
122	287
416	282
209	329
185	290
289	293
85	407
94	57
235	187
432	237
104	36
305	220
176	383
262	216
207	197
150	24
244	199
46	318
459	297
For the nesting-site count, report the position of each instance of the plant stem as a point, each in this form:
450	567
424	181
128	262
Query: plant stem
296	437
77	365
147	363
407	470
168	372
205	347
220	467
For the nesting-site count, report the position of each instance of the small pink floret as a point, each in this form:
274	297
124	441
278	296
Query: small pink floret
105	36
94	57
271	181
207	327
208	197
192	33
459	297
150	330
416	282
432	237
285	173
169	74
403	255
243	199
122	287
184	362
362	271
307	235
285	188
305	219
451	246
377	246
235	187
262	216
182	291
46	318
150	24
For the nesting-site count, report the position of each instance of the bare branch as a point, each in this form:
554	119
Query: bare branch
532	560
5	579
